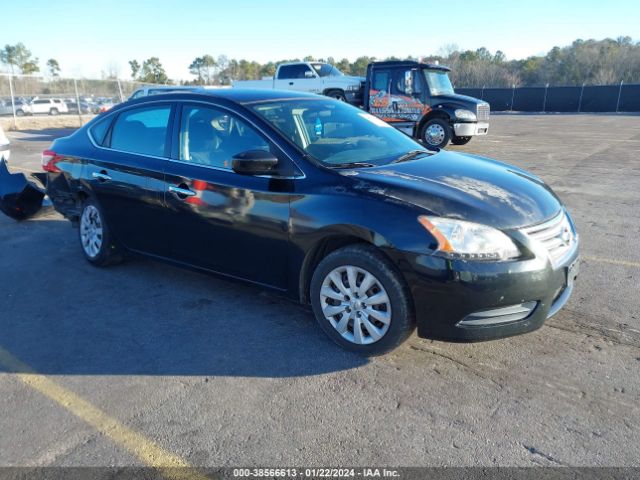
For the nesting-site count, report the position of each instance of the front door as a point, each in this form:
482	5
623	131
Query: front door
219	220
397	95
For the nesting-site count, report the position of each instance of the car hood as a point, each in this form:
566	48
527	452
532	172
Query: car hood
346	79
463	186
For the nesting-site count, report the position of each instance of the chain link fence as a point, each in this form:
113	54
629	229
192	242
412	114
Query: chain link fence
23	96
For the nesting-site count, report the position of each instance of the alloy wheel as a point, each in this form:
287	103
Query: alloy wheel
91	231
356	304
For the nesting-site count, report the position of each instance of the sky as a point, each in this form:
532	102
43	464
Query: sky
89	37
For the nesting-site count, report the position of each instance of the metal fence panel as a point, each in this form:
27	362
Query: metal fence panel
529	99
630	98
602	98
499	98
563	99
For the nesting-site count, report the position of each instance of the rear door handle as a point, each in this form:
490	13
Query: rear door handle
181	192
101	176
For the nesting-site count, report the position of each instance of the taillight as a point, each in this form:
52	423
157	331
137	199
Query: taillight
49	160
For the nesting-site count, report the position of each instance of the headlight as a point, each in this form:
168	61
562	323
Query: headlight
469	241
463	114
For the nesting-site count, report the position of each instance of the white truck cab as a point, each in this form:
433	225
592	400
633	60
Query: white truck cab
314	77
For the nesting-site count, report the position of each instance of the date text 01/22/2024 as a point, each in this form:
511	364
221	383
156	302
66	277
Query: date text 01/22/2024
315	472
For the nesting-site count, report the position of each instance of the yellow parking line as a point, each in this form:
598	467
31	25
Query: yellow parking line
170	465
612	261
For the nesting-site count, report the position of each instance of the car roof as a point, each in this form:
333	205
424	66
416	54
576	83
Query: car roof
237	95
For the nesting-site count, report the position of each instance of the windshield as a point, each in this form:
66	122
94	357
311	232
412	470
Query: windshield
439	83
326	70
337	134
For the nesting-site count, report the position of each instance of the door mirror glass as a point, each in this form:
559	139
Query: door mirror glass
308	74
254	162
408	82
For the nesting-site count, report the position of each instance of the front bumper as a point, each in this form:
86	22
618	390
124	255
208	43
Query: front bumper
470	129
470	301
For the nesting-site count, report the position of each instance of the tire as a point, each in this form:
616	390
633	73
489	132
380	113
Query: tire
53	111
337	95
436	133
96	242
460	140
19	113
364	263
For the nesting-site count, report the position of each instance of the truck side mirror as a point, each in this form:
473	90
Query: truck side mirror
408	82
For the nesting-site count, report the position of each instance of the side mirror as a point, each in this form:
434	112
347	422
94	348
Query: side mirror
308	74
408	82
254	162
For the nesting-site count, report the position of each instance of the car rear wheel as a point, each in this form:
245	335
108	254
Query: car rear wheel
20	113
436	133
53	111
361	301
460	140
97	244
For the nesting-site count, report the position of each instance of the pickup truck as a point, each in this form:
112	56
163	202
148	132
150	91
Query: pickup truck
313	77
418	99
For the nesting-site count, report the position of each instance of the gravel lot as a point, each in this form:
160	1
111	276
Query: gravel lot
220	374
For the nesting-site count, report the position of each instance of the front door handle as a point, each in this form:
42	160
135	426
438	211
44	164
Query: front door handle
181	192
290	83
101	176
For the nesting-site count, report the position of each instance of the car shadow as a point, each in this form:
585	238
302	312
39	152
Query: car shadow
62	316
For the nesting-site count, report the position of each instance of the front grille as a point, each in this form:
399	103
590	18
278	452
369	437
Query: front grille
557	236
482	112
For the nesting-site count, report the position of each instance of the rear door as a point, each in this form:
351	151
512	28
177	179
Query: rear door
126	175
217	219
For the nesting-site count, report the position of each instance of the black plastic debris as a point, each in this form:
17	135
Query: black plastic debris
19	198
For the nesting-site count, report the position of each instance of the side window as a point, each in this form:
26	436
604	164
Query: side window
286	71
295	71
211	137
142	130
99	130
380	80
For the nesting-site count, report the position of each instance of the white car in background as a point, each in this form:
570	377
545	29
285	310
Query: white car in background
50	106
4	146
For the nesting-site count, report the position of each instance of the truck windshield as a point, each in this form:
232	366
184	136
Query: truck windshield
439	83
326	70
337	134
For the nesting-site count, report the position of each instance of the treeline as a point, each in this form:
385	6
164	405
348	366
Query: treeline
590	62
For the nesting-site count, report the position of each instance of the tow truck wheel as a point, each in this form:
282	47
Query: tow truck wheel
436	133
460	140
98	246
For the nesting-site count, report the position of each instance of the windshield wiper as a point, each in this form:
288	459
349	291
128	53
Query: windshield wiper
409	155
352	165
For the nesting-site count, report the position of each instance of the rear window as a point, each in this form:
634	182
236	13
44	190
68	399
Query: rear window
142	130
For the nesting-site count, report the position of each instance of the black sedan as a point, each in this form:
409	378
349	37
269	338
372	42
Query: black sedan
324	203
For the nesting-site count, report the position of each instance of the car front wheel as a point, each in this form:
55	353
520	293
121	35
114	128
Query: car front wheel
361	301
97	244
